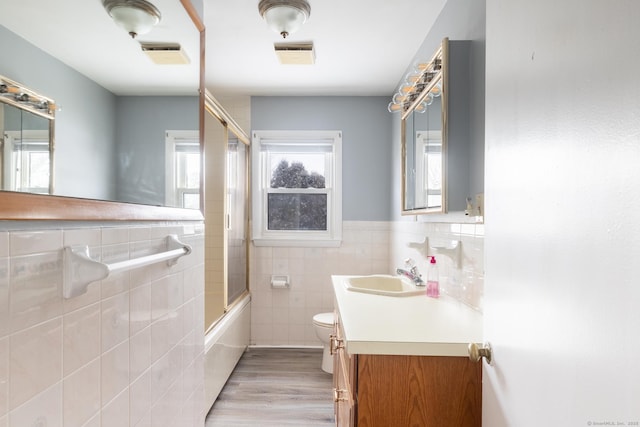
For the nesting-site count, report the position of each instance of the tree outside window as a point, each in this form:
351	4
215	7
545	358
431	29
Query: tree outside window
287	211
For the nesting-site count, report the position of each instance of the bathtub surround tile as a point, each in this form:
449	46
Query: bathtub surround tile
81	395
115	320
137	234
114	235
4	296
44	409
160	337
176	327
4	376
116	412
140	308
166	412
146	421
4	244
140	353
115	371
189	349
82	237
35	361
81	343
87	361
164	372
29	242
35	289
192	276
175	291
159	298
140	400
93	422
116	282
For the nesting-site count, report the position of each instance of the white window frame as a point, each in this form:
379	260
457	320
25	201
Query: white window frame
425	140
37	138
173	195
261	178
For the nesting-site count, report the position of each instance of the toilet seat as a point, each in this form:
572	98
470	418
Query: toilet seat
324	320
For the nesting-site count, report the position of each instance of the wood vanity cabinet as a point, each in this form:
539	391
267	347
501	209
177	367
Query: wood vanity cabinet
399	390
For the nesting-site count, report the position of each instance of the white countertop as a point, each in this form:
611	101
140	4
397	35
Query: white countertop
410	325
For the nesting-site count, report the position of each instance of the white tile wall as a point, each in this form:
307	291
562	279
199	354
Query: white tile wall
126	353
283	317
466	283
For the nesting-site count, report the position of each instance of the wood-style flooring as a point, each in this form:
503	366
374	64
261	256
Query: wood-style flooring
275	387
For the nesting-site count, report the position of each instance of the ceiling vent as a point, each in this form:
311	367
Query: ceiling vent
165	53
295	53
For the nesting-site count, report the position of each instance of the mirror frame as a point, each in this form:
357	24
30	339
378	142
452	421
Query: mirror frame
443	54
48	113
27	206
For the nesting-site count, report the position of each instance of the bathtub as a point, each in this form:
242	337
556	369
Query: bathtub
223	347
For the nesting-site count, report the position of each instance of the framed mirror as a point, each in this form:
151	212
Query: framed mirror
424	136
114	104
26	139
442	159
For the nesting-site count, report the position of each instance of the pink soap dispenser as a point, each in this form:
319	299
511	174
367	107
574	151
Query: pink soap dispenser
433	286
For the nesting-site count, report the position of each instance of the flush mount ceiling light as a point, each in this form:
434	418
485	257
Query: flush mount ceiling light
135	16
284	16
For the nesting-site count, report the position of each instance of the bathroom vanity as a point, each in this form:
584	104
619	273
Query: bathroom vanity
403	360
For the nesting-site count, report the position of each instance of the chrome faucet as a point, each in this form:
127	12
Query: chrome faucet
411	272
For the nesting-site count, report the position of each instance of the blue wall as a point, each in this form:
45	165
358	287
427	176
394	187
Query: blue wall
142	123
106	147
458	20
366	143
84	130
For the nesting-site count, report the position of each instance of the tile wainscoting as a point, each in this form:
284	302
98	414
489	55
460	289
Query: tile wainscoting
282	317
129	352
466	284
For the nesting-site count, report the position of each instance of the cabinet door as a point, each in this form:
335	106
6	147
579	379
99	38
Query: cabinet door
418	390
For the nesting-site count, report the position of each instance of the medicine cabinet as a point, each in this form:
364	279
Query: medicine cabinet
437	148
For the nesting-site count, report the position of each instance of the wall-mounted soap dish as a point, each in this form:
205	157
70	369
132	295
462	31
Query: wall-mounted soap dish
434	247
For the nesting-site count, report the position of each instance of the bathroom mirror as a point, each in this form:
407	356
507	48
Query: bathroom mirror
442	159
114	106
26	139
424	138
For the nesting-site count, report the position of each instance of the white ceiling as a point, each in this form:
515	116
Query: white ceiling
362	46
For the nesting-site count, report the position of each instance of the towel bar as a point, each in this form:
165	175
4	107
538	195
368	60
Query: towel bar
80	270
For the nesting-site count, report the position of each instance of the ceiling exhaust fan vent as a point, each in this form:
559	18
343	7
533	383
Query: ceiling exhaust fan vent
295	53
165	53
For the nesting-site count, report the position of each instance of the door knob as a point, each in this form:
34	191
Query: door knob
478	351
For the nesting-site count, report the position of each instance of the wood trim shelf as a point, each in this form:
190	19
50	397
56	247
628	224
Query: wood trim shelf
25	206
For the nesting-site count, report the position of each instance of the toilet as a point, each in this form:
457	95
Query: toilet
323	324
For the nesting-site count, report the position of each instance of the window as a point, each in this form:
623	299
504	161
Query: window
297	197
26	154
429	168
183	169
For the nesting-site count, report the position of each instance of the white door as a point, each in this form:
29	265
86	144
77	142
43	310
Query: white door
562	283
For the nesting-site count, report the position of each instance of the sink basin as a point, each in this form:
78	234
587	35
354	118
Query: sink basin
396	286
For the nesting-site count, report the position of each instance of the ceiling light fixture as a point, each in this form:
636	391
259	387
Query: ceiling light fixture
135	16
284	16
